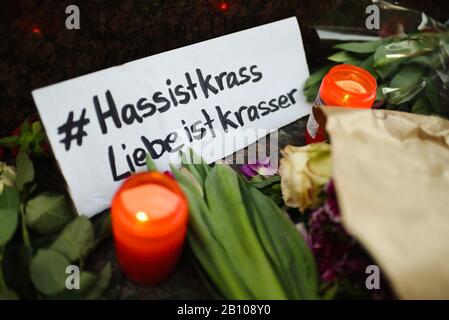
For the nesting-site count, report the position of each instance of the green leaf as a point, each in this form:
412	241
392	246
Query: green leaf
25	126
151	166
355	62
7	294
359	47
312	92
408	75
236	237
342	57
203	241
9	213
25	170
387	70
421	106
188	162
379	93
432	95
102	226
330	292
8	224
233	227
261	182
75	240
383	65
367	64
10	198
399	96
86	283
36	127
317	76
102	283
48	212
9	142
48	271
286	248
16	268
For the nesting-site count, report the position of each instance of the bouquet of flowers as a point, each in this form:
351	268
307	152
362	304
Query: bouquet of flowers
370	198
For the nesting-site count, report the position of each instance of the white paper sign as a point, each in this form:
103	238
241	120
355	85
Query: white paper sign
102	125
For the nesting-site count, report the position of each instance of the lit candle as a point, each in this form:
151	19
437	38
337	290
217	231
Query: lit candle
343	86
149	223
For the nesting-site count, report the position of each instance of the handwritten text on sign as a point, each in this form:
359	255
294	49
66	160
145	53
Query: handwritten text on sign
102	125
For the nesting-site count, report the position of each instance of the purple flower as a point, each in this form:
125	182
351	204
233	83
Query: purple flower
168	173
262	168
337	254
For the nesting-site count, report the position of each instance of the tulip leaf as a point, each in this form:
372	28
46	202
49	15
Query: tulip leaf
232	224
229	242
260	182
284	245
151	166
208	251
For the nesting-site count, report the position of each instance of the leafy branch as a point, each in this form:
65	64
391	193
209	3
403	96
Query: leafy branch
411	71
50	238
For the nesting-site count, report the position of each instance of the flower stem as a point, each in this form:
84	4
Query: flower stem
25	235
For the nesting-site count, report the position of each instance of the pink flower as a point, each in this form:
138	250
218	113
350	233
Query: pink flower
263	168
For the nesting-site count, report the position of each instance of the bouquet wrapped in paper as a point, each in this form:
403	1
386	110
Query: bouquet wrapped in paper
390	171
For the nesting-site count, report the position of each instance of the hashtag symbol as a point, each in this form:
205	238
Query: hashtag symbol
70	126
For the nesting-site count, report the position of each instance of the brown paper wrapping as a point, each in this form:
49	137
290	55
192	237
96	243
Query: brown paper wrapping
391	171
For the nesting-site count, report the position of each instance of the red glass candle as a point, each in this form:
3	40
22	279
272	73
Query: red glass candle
149	222
344	85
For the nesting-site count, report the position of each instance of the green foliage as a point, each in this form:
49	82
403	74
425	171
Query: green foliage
76	240
33	257
359	47
9	213
48	271
29	138
48	213
151	166
25	170
405	68
244	245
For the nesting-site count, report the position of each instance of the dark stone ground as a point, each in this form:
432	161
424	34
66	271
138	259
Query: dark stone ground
36	50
